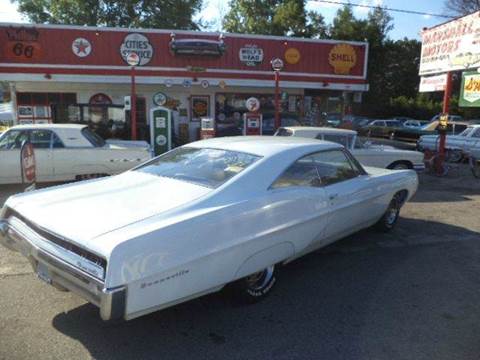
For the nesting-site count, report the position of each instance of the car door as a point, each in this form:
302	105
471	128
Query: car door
473	141
301	203
41	140
10	145
350	193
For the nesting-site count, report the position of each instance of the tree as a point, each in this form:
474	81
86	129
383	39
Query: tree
273	17
462	7
170	14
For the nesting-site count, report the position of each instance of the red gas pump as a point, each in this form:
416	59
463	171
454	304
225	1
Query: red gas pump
207	128
252	120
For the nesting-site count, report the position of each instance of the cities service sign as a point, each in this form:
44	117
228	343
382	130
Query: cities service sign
454	45
138	44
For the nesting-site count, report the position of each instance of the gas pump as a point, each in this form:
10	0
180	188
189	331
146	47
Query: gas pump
207	128
160	130
252	120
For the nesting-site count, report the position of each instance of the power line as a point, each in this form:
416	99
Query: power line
383	8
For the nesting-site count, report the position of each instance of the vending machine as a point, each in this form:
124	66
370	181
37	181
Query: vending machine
252	123
207	128
160	130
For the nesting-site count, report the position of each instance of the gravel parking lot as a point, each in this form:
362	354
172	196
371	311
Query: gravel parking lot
410	294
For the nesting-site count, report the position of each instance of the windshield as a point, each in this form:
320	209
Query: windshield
93	138
205	167
466	132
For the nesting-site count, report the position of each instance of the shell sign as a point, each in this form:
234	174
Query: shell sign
343	58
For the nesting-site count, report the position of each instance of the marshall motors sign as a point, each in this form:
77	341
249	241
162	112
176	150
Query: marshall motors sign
454	45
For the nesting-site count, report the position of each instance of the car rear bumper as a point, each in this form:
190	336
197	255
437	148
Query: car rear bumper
419	167
63	275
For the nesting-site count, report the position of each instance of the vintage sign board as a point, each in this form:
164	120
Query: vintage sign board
470	90
433	83
27	162
451	46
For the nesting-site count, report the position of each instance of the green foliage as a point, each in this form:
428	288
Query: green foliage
167	14
273	17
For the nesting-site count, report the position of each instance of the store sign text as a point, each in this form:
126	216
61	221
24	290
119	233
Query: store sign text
139	44
251	55
451	46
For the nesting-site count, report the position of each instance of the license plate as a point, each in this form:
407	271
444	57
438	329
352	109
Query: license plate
43	273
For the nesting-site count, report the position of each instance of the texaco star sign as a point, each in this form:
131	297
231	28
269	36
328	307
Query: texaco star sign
81	47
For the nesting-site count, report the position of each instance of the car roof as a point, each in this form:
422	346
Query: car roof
318	129
48	126
264	145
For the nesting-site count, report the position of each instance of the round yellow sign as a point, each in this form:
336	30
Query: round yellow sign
292	56
343	58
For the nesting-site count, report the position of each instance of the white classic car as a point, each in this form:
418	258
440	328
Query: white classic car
368	154
204	215
457	146
66	152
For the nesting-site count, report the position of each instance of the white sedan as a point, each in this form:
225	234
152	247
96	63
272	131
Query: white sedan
457	146
66	152
368	154
217	212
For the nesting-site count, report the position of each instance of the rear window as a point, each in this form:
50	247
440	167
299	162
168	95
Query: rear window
284	132
202	166
93	138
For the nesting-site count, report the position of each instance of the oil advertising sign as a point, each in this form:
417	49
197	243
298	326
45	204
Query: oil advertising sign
470	90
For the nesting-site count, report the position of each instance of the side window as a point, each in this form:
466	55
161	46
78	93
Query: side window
476	134
339	139
334	166
13	139
302	173
57	143
40	139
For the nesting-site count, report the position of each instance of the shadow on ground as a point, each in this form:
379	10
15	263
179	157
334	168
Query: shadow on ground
357	299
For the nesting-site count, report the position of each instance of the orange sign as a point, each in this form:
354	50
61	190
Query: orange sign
343	58
292	56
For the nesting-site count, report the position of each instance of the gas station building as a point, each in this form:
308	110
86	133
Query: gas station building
76	74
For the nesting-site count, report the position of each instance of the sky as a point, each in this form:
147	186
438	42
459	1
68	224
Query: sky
405	25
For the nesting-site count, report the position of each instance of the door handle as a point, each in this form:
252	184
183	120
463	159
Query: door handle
333	196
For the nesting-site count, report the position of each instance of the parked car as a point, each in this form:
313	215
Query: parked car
451	118
333	119
351	122
414	124
380	128
457	146
204	215
413	134
66	152
368	154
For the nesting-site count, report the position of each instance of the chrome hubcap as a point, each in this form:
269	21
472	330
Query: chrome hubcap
260	279
392	215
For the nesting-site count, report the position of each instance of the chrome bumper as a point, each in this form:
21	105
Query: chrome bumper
64	276
419	167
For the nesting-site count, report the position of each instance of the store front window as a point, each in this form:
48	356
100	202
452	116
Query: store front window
34	107
229	110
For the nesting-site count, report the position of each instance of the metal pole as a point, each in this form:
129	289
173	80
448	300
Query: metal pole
133	111
277	100
446	107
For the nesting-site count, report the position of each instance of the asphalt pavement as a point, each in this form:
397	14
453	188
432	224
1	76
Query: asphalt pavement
410	294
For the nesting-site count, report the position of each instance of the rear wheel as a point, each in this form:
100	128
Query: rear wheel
255	287
400	165
454	156
390	218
